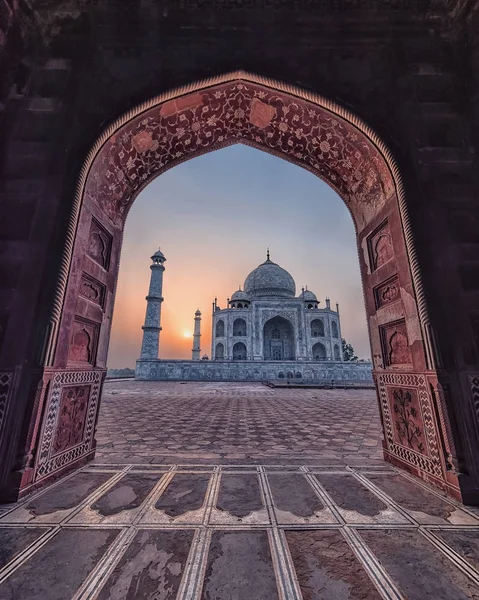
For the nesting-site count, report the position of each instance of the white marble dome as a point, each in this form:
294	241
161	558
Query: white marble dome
308	295
269	279
240	295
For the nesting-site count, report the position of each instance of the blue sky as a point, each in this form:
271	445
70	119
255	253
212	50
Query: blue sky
214	216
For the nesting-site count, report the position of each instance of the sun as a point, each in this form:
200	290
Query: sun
187	334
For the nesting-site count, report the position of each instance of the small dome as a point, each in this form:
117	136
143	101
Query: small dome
306	295
240	295
158	255
269	279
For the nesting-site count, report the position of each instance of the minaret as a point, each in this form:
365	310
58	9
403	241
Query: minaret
151	328
196	337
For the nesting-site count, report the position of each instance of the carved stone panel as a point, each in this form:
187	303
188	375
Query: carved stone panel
395	345
99	244
69	391
71	417
380	247
426	459
92	290
406	418
388	292
83	343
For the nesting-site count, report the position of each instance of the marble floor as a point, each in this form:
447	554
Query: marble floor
254	515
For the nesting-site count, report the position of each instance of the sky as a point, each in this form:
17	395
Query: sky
214	217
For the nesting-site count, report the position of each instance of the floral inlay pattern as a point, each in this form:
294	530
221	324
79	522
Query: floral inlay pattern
246	112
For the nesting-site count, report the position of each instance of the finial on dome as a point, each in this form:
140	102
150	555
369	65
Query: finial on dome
267	254
302	290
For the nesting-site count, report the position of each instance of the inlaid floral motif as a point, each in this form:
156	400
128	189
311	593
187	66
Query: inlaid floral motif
247	112
407	418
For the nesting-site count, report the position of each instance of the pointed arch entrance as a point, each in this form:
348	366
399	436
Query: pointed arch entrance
290	123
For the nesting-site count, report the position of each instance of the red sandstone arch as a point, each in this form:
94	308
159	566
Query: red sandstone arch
292	124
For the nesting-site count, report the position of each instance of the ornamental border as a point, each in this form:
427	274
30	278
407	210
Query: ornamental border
430	464
46	462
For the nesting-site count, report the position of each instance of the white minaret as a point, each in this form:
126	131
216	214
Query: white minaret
196	337
151	328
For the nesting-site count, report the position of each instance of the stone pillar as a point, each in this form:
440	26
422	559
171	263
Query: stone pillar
151	328
196	337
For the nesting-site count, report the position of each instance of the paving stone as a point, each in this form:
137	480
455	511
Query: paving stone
59	569
293	493
252	577
239	494
424	506
127	494
465	543
348	493
14	540
327	568
185	493
417	568
152	567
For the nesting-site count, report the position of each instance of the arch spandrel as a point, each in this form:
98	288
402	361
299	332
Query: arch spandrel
240	111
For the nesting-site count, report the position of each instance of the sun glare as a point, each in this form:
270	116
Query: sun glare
187	334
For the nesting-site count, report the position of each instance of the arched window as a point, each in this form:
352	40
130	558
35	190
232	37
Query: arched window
219	351
319	352
239	327
317	328
289	375
310	306
298	375
281	375
334	329
275	334
337	355
239	351
220	329
240	305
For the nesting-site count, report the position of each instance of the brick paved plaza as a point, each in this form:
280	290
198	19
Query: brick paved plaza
153	422
229	491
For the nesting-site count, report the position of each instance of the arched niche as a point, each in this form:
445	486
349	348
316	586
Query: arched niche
220	328
239	351
319	351
317	328
278	339
239	328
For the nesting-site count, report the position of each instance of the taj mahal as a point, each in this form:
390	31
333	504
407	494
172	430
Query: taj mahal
267	321
265	333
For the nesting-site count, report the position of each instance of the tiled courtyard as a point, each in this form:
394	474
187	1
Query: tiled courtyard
238	492
152	422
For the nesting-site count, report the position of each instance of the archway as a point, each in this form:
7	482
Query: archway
239	351
220	329
278	339
300	127
317	328
239	328
319	351
219	351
